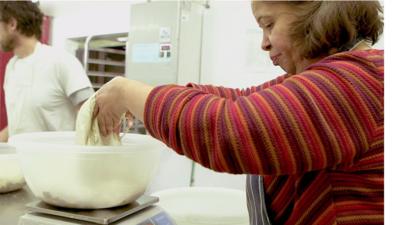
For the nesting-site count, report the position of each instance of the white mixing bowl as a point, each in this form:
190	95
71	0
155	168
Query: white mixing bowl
11	177
62	173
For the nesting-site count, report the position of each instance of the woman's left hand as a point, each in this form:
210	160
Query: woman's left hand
110	105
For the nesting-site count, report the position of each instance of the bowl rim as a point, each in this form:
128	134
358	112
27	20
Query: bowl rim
31	139
7	150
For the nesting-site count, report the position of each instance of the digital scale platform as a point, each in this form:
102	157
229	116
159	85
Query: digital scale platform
140	212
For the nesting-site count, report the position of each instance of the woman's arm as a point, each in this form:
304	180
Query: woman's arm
124	90
233	93
315	120
311	121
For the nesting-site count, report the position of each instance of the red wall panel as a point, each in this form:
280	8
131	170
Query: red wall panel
4	57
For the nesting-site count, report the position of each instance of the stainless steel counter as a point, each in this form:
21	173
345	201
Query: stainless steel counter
12	205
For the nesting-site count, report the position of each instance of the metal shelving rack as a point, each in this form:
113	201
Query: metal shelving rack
103	58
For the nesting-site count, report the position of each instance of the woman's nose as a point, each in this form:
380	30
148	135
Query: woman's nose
265	44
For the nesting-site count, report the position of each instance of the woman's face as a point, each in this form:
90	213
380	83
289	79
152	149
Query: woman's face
274	19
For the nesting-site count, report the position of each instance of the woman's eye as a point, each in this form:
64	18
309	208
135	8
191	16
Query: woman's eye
269	25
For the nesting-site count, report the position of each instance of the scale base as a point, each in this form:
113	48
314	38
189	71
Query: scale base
153	215
141	212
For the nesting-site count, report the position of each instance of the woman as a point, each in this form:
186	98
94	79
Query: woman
310	140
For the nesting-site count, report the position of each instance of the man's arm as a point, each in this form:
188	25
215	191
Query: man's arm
4	134
79	97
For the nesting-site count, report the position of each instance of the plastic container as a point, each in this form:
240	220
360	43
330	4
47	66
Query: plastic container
205	205
62	173
11	178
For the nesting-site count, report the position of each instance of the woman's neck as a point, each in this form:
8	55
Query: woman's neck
304	63
361	45
300	67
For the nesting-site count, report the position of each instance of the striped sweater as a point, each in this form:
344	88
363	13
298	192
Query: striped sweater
316	137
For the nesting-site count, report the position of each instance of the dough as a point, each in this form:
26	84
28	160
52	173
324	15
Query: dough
87	128
11	177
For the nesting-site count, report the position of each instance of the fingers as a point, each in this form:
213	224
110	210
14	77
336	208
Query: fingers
95	110
129	115
117	129
114	126
130	124
105	123
130	118
108	125
102	126
107	109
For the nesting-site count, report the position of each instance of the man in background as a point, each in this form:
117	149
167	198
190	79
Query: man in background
44	87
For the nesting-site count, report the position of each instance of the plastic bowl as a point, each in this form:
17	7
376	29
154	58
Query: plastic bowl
62	173
11	178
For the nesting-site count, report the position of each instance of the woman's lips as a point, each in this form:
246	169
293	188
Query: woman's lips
275	59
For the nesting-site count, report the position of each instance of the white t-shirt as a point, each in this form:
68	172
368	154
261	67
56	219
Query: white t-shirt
40	88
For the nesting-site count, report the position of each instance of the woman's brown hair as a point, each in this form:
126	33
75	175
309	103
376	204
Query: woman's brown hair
324	27
27	14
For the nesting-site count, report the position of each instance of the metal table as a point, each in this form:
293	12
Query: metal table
12	205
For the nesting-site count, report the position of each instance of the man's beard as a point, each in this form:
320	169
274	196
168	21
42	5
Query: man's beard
8	44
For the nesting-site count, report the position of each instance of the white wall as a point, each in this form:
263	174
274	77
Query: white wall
232	47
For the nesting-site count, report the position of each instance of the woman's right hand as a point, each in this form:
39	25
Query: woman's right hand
117	97
110	105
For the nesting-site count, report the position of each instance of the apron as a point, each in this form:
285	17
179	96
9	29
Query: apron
255	200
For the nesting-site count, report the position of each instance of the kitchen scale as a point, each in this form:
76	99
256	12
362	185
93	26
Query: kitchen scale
140	212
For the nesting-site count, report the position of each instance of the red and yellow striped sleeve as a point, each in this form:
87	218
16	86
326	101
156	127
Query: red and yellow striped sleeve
321	118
